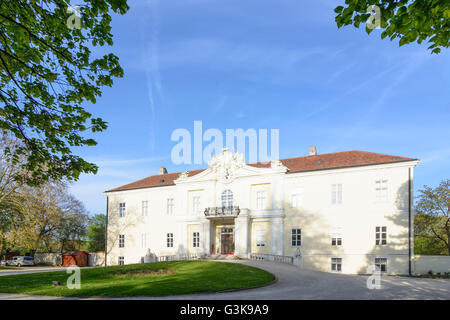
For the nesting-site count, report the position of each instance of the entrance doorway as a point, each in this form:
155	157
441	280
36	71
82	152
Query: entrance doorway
226	241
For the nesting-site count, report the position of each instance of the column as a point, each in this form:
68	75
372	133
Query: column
206	236
276	236
273	237
280	236
241	234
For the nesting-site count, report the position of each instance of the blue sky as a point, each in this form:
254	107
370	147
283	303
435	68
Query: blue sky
264	64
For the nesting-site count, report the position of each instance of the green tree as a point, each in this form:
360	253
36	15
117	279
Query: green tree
432	220
408	20
429	246
72	225
10	176
47	76
41	224
96	233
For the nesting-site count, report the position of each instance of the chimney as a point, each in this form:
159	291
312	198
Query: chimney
312	151
162	170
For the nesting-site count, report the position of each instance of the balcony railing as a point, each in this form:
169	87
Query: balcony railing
272	257
177	257
213	212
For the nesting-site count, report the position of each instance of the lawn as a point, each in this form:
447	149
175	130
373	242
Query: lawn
149	279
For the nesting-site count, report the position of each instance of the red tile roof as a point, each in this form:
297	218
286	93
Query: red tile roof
308	163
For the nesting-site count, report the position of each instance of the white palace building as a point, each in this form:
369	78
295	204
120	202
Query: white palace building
337	212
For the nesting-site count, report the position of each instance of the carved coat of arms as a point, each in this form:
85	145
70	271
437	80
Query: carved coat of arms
226	164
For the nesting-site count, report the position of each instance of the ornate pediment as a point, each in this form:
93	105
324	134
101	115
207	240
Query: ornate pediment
225	165
228	166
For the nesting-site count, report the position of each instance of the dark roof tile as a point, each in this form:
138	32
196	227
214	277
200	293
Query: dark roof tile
308	163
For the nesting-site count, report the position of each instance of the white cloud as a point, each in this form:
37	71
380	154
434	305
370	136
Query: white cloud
435	155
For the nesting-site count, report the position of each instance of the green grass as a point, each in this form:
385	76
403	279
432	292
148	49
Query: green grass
149	279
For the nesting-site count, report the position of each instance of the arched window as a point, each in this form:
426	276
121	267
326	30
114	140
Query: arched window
227	199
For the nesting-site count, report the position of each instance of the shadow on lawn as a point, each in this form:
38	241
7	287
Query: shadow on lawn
150	279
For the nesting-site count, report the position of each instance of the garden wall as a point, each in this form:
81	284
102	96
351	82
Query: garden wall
48	259
423	264
96	259
55	259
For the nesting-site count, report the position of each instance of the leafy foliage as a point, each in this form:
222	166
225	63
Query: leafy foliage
47	74
50	219
432	220
429	246
410	21
96	233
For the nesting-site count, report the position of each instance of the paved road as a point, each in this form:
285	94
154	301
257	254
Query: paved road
294	283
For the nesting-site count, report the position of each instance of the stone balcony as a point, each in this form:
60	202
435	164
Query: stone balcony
222	212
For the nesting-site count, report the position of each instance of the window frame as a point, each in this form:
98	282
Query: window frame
260	238
298	242
380	238
169	240
297	194
336	193
169	205
121	241
144	244
336	262
381	191
261	199
386	264
196	239
196	203
122	209
144	208
336	237
227	197
121	260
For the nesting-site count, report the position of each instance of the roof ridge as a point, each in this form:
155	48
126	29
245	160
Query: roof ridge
301	165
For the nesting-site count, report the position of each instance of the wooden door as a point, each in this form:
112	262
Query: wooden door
226	243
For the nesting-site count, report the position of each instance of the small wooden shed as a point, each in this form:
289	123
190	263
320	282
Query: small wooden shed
75	258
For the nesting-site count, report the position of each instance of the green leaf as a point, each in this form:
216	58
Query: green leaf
47	74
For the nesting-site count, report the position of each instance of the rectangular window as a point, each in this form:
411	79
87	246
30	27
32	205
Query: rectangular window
380	236
144	208
195	205
143	240
336	264
121	241
170	240
196	240
170	206
336	237
381	191
296	235
297	198
121	260
261	200
381	264
260	238
122	209
336	193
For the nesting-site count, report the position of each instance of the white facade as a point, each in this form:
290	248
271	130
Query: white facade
343	219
